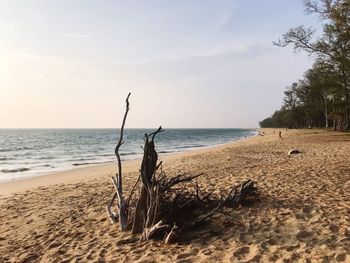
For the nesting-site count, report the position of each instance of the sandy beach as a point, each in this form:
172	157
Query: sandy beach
302	215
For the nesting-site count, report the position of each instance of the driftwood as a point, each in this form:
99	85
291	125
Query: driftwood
167	208
240	194
118	183
148	201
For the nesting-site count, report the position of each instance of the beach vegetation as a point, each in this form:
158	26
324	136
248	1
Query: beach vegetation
322	97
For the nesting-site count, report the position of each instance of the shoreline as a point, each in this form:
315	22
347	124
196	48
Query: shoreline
21	170
77	174
302	213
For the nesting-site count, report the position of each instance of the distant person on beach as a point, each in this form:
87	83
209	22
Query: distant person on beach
280	134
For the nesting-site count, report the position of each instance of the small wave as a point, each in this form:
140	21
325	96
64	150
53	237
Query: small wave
189	146
80	159
166	151
45	158
80	164
129	153
14	149
5	158
44	165
23	169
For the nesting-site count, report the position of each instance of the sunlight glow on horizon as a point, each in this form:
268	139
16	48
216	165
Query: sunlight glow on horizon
188	64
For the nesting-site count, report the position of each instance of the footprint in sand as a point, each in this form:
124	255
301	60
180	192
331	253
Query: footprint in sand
341	257
245	238
183	256
308	209
309	212
31	257
304	235
334	228
29	221
206	252
246	254
54	245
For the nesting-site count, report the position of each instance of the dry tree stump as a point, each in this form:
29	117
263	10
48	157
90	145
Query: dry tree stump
166	208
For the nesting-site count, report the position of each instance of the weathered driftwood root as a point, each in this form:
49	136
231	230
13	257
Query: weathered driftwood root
146	211
171	236
184	218
154	231
238	195
182	210
167	208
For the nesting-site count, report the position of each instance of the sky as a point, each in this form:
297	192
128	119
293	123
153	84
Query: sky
187	63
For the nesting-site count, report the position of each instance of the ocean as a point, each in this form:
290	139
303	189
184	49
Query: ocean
31	152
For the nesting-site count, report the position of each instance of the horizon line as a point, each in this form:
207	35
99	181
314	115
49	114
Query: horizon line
91	128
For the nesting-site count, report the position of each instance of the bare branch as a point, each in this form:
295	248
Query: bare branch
120	142
301	39
131	193
323	8
169	238
117	180
111	215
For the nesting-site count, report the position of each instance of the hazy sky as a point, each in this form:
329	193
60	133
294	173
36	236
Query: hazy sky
204	63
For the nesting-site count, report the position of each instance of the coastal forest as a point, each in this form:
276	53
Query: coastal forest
321	98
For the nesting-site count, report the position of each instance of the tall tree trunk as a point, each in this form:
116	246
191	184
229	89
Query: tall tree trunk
346	127
346	88
334	119
325	109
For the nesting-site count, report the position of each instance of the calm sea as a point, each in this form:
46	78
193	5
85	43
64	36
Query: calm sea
30	152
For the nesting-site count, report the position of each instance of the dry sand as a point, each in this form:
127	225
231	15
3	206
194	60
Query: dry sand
303	214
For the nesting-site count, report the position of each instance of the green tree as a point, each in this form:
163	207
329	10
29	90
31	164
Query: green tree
334	45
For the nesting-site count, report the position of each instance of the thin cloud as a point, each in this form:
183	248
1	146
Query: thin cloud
71	35
224	22
156	69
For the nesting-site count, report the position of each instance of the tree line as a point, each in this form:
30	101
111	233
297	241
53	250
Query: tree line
321	97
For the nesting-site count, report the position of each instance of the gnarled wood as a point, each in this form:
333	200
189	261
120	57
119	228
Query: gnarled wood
118	182
146	202
166	208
